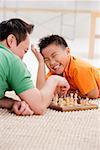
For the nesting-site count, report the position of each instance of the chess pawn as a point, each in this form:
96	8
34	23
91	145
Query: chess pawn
76	96
71	95
87	100
71	99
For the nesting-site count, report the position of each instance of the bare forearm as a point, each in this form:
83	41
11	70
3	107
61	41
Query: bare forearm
40	76
48	91
51	86
41	68
6	103
39	100
93	94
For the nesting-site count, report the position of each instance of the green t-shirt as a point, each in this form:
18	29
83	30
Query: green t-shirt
14	74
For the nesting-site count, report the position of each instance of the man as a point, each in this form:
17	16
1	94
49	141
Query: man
14	43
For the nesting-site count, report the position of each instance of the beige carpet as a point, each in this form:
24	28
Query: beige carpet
78	130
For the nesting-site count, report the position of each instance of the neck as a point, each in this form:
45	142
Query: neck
4	43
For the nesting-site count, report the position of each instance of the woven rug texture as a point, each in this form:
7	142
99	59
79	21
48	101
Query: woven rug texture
77	130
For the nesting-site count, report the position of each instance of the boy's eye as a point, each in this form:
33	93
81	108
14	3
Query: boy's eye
54	55
46	60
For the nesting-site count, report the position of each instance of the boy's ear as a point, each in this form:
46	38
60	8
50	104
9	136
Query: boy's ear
68	50
11	40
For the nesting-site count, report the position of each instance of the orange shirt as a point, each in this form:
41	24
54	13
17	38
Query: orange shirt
81	76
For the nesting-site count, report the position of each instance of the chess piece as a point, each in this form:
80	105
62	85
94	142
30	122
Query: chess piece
71	99
76	99
61	102
87	100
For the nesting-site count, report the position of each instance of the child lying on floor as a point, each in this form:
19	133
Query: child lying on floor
56	55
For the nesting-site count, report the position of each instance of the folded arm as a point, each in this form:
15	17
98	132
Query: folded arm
6	103
18	107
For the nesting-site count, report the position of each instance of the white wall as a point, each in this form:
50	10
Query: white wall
75	27
70	25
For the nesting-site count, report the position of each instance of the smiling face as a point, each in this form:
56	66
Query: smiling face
56	58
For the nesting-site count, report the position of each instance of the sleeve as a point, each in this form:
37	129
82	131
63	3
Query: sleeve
3	76
84	80
19	77
48	75
3	85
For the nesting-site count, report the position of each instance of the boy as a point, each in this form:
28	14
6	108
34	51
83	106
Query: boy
14	43
80	75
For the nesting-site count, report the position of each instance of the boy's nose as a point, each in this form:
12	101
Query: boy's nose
52	62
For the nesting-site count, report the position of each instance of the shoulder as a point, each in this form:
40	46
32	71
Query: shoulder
6	56
9	58
79	66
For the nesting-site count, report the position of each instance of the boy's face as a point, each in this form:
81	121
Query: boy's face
56	58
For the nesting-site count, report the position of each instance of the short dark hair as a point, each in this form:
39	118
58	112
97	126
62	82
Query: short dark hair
17	27
52	39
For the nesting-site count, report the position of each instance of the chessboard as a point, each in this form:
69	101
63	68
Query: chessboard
73	102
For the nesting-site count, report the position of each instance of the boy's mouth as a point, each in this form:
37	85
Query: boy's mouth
56	67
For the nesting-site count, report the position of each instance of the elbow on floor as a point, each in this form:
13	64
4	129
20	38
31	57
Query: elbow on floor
40	111
95	95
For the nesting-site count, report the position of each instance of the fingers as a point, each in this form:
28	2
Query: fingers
22	108
16	108
64	91
62	87
67	86
33	49
27	111
37	54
